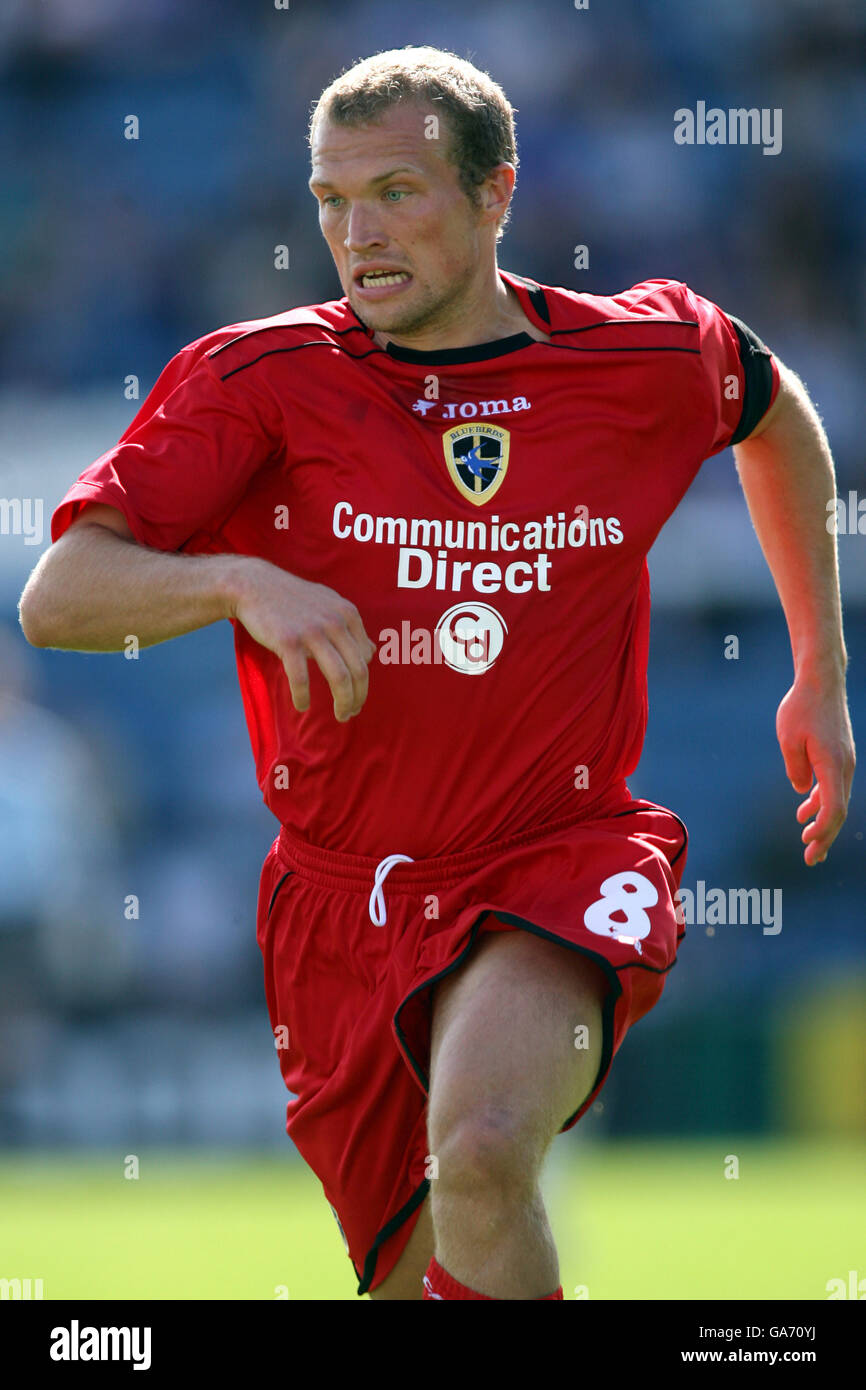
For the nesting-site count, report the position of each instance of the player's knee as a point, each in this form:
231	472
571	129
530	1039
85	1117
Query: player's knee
486	1152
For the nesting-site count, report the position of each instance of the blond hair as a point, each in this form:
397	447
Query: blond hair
479	116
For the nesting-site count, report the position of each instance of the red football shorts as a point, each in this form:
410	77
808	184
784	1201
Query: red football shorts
350	1001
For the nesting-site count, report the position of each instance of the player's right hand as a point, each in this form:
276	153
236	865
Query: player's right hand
299	620
814	731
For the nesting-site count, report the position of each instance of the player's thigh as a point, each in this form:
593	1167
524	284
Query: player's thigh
406	1278
516	1036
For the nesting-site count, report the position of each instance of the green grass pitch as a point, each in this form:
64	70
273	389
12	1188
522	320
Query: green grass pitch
650	1220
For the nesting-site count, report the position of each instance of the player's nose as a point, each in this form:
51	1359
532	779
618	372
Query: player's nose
363	230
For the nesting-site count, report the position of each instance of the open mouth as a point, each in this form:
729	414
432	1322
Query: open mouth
382	279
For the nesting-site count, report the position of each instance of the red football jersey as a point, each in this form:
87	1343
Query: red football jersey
487	509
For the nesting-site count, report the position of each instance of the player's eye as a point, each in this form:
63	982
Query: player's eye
331	200
395	194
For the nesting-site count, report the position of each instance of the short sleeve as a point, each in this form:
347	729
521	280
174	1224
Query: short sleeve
726	379
740	374
186	460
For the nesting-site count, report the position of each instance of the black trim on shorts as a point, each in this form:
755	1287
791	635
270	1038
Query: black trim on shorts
653	805
387	1231
276	891
421	1075
758	373
685	844
652	969
522	922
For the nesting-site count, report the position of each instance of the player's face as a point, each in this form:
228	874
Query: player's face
390	201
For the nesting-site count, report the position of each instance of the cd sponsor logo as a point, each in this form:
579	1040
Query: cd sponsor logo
467	638
471	636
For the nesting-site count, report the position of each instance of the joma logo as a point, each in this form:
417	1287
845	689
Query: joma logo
469	410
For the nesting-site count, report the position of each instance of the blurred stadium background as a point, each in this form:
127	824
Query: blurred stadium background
149	1037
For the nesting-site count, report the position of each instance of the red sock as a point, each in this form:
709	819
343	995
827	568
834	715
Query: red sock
438	1283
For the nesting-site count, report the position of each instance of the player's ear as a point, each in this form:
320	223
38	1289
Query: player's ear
496	191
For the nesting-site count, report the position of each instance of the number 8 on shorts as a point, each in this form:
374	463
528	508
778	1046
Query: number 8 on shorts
629	893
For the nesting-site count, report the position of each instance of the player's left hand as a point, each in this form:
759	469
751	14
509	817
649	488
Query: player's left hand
814	731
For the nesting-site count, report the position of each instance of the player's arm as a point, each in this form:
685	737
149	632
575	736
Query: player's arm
786	470
96	586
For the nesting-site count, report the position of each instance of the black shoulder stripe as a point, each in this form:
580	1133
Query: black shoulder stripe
755	357
537	297
539	303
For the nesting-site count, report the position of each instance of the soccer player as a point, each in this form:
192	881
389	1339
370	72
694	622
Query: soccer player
429	503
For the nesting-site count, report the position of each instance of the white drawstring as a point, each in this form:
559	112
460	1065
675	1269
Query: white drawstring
378	915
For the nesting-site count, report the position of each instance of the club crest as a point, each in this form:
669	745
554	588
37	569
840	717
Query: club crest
477	460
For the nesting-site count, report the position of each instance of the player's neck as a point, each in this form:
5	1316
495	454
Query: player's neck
495	312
